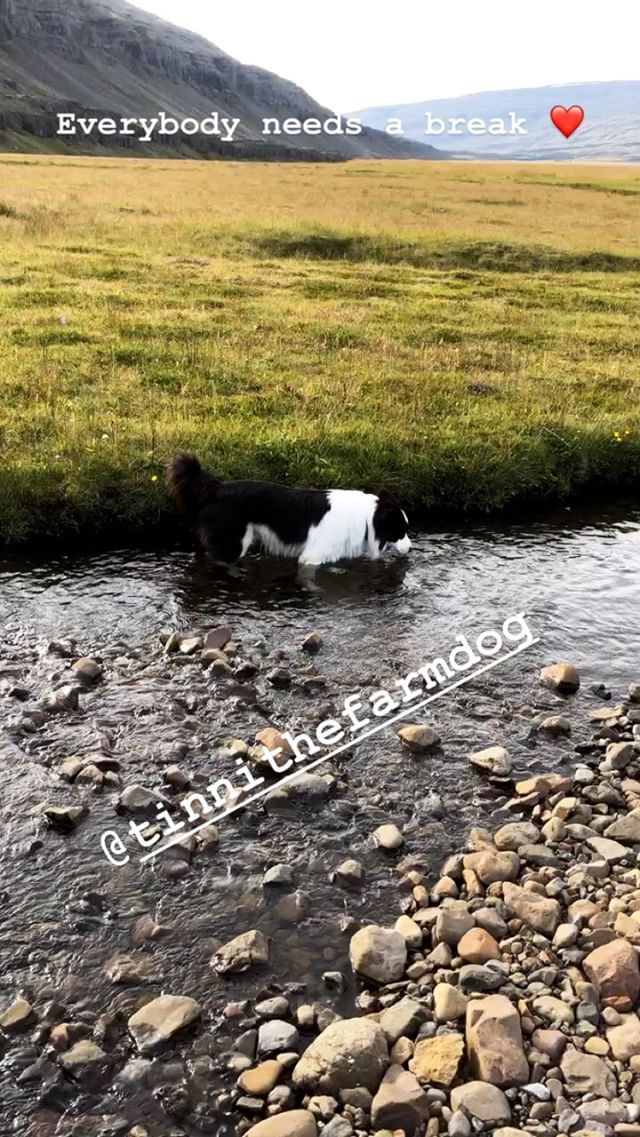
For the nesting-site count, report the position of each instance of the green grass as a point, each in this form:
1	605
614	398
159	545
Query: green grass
370	325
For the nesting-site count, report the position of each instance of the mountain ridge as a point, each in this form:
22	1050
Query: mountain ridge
611	129
107	58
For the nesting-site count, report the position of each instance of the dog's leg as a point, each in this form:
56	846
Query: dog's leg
307	576
247	540
225	546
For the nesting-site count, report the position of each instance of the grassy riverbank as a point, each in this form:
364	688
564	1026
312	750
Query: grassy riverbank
464	334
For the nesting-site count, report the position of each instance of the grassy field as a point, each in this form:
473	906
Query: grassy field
464	334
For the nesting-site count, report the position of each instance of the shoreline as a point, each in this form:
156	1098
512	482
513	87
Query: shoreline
162	528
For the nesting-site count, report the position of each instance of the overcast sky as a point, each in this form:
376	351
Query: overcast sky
350	54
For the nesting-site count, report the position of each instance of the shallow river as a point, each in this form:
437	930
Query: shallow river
65	911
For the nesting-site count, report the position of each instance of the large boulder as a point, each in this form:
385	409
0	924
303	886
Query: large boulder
349	1053
379	954
494	1042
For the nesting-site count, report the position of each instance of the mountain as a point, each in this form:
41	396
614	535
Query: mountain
610	131
106	58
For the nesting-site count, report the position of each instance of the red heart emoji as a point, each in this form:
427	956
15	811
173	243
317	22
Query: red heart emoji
567	119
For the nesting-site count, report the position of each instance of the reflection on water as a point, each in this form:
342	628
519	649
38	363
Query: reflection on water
578	582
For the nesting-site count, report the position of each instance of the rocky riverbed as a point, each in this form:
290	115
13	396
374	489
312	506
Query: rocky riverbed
497	995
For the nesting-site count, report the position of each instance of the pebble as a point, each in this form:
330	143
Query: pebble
478	946
160	1019
260	1080
452	922
388	837
17	1016
562	677
494	760
293	1123
459	1125
350	872
347	1054
449	1003
417	737
242	953
278	875
82	1056
312	642
556	725
484	1102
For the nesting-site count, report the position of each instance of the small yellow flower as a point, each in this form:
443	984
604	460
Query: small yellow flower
154	477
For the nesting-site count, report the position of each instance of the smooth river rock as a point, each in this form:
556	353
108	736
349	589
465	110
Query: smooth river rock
485	1102
417	737
160	1019
388	837
349	1053
378	953
292	1123
248	950
562	677
494	760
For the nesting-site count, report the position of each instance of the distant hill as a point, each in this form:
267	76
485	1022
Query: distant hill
108	58
611	127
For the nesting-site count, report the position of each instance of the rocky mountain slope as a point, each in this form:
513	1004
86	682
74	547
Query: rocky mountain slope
611	128
106	57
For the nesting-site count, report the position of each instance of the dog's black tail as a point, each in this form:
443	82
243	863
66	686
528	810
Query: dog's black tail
188	484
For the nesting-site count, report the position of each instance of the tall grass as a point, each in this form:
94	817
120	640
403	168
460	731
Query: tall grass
464	334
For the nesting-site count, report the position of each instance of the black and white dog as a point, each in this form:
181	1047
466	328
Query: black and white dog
315	526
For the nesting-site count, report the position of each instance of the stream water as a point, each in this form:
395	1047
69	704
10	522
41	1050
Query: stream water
65	911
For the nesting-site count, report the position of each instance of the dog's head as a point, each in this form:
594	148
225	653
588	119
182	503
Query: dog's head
391	525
